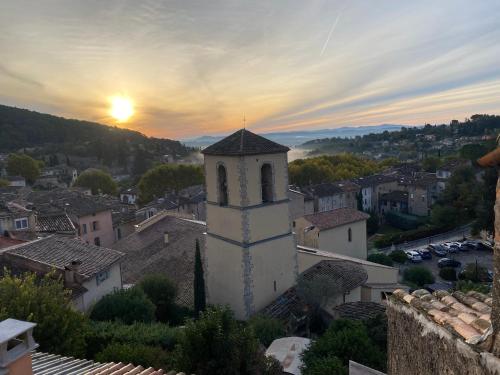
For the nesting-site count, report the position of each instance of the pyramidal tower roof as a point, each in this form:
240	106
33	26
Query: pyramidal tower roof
244	142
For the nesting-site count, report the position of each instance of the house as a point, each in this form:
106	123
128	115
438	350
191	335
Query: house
18	357
55	223
163	244
15	218
147	211
396	201
89	271
300	203
333	195
444	172
92	218
17	181
342	231
192	202
374	186
129	195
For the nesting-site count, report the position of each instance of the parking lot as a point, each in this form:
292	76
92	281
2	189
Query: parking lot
483	258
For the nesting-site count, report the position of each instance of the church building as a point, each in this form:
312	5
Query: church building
250	254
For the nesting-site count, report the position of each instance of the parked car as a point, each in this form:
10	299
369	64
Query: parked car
451	247
448	262
483	245
413	256
439	250
425	254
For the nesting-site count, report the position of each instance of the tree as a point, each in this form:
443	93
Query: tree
430	164
4	183
345	340
398	256
60	328
330	365
217	344
126	305
372	224
166	178
381	258
23	165
98	181
445	216
146	356
487	195
448	273
162	292
266	329
199	282
418	276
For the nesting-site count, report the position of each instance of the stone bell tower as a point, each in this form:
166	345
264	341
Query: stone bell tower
250	253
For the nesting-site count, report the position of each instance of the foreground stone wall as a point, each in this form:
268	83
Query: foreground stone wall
418	346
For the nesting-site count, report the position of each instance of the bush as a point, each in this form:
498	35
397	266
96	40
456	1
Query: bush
266	329
398	256
102	334
146	356
409	235
448	273
475	273
60	328
467	285
418	275
381	259
345	340
162	292
327	365
128	306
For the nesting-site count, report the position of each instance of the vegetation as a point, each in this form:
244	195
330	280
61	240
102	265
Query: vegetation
217	344
467	285
381	259
25	166
409	235
20	128
344	340
320	169
4	183
418	276
372	224
162	292
60	329
199	282
167	178
97	181
128	306
146	356
475	272
448	273
398	256
431	164
267	329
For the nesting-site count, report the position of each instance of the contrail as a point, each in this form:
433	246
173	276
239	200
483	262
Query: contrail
329	36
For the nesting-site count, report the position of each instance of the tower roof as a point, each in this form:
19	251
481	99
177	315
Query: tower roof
244	142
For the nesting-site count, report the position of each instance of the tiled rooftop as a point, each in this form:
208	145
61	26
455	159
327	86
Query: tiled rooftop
335	218
56	223
358	310
467	315
244	142
53	364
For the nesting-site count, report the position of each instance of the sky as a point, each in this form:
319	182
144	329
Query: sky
194	68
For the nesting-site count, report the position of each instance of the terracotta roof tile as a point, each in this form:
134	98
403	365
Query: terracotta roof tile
334	218
464	314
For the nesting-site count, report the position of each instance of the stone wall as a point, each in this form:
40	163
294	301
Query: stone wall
417	346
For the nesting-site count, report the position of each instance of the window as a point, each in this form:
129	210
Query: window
275	286
266	181
84	228
349	234
97	241
294	224
222	184
21	223
101	277
95	226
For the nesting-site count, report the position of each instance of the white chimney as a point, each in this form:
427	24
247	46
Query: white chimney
165	238
70	272
16	344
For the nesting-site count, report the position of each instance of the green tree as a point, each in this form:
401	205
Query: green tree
199	282
23	165
60	328
398	256
448	273
266	329
473	152
4	183
330	365
418	276
166	178
126	305
381	259
162	292
97	181
345	340
146	356
445	216
372	224
217	344
430	164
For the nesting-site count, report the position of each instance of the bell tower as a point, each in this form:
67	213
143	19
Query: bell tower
250	251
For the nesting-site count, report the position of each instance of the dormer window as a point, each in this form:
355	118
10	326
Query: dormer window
222	185
21	223
266	180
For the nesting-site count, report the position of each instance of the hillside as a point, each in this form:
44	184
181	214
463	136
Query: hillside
45	134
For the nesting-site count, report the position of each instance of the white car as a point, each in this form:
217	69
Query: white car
452	247
413	256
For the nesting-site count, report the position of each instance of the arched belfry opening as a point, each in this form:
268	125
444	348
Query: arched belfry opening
266	181
222	185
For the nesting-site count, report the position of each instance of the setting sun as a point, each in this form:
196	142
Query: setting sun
122	108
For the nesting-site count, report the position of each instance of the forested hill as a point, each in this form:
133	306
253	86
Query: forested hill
21	128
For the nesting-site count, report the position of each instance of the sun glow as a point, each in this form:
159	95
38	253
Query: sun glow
122	108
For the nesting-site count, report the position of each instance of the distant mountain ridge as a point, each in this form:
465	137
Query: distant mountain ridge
295	138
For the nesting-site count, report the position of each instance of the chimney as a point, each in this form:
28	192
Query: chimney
16	344
70	271
165	238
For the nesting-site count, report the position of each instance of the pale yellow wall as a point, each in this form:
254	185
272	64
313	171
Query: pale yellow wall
225	221
233	183
268	221
336	240
297	204
105	230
